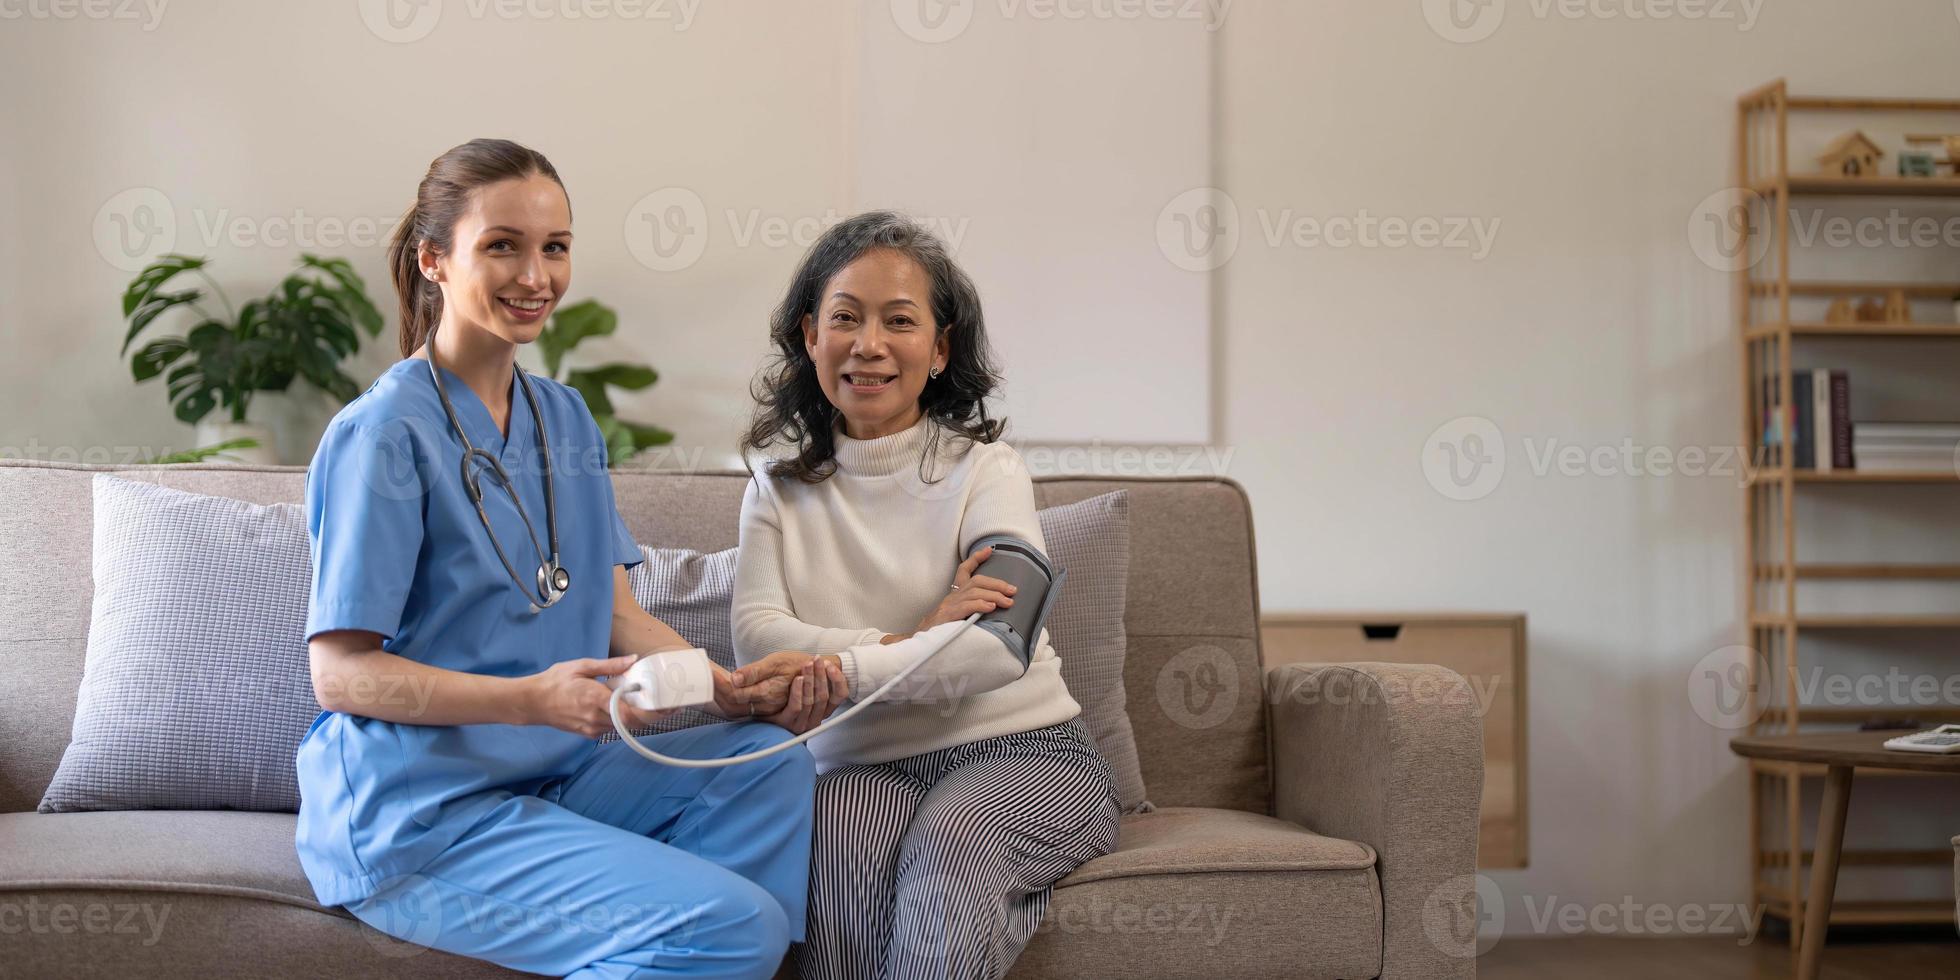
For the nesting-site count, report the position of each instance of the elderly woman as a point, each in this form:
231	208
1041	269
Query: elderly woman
946	811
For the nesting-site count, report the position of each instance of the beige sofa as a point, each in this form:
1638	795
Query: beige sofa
1312	821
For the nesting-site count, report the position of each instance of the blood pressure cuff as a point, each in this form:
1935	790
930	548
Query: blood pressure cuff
1034	577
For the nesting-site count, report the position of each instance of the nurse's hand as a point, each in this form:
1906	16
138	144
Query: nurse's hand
814	693
569	695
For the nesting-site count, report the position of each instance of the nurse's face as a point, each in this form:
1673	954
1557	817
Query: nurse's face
511	259
873	340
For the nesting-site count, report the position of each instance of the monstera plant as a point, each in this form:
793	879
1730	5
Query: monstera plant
568	327
303	329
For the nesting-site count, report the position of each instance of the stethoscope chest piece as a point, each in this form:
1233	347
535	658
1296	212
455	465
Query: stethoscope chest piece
553	581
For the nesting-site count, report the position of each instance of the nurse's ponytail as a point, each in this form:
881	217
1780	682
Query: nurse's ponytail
442	198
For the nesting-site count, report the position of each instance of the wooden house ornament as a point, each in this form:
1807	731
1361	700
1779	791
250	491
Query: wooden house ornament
1852	155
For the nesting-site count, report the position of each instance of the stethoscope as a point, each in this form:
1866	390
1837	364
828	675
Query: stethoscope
553	580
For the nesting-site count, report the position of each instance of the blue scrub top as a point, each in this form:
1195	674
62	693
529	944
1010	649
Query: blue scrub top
398	550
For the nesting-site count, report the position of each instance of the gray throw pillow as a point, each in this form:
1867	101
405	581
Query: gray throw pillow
693	593
1090	539
196	690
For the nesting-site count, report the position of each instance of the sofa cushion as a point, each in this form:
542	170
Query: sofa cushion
250	855
1090	540
196	692
185	894
1202	893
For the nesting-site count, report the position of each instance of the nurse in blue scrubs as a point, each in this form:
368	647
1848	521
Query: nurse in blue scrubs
454	794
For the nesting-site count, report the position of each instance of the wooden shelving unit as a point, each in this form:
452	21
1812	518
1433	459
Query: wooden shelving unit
1766	333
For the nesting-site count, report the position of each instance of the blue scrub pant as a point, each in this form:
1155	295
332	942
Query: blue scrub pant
626	868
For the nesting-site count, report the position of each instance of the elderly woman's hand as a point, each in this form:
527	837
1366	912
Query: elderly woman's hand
739	699
814	692
970	594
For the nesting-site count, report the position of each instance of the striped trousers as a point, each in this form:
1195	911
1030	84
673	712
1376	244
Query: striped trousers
940	865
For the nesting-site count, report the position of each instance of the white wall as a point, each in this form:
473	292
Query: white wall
1587	143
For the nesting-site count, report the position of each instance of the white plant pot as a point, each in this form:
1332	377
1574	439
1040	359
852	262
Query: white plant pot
212	433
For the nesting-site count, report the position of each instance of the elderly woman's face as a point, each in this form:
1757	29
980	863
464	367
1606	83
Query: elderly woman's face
874	342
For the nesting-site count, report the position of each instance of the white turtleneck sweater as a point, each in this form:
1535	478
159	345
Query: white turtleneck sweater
836	566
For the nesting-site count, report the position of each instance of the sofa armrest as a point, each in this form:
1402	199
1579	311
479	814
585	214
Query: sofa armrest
1391	755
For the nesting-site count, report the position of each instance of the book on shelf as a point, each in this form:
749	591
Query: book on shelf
1907	447
1818	422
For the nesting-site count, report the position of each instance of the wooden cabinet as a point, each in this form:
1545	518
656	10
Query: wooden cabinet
1488	649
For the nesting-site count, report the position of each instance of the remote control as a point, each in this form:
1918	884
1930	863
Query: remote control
1943	740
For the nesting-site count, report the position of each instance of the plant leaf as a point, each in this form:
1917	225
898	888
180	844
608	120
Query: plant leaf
154	305
647	435
619	439
594	392
151	360
153	277
348	292
196	405
631	377
206	452
569	326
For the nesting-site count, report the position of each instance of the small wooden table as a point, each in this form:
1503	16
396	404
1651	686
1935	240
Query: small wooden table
1841	753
